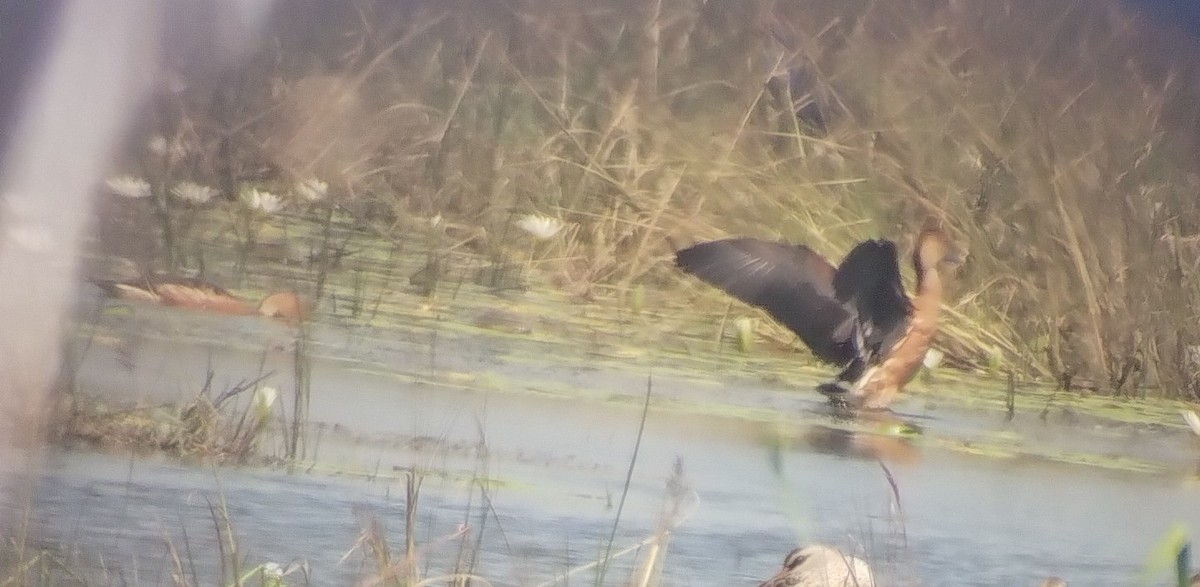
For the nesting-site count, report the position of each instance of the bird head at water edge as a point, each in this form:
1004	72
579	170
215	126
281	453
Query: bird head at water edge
286	306
817	565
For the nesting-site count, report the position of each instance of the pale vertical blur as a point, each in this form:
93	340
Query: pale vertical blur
99	65
68	120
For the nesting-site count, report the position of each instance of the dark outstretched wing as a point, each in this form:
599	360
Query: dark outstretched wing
791	282
868	280
127	290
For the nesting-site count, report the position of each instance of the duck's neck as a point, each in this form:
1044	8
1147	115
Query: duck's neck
929	292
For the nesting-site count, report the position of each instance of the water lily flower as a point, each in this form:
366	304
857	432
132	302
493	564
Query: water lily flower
129	186
1193	420
542	227
171	149
312	190
263	201
265	397
272	575
193	193
745	333
158	145
933	358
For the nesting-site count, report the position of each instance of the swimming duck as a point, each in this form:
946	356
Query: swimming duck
201	295
856	315
817	565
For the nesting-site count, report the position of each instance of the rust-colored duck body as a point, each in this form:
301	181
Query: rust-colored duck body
204	296
817	565
856	315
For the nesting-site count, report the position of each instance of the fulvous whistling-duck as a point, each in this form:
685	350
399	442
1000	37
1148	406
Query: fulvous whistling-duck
201	295
817	565
856	315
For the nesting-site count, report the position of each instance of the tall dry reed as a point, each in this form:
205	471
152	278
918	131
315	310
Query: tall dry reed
1055	139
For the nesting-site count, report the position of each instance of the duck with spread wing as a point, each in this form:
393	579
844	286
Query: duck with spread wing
856	315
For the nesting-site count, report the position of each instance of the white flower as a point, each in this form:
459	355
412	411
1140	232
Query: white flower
272	575
129	186
933	358
193	193
265	397
745	333
1193	421
263	201
542	227
313	189
159	145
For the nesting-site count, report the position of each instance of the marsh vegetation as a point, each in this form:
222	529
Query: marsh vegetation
1054	139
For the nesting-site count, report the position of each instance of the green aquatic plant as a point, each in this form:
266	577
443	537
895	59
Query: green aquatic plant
1183	566
637	299
271	574
744	327
1173	553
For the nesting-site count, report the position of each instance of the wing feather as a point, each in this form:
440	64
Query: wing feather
868	280
794	284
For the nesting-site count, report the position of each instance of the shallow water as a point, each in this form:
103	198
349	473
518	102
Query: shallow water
989	526
553	425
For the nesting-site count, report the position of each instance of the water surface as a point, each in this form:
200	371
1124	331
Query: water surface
548	431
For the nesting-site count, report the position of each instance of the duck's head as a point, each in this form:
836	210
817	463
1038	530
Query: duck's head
818	560
286	306
934	250
798	556
814	554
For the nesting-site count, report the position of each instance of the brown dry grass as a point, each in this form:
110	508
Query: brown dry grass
1055	139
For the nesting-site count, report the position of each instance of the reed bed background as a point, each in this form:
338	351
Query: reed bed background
1055	140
